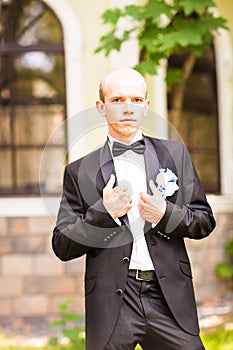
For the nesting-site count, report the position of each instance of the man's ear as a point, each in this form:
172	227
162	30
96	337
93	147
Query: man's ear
101	108
147	107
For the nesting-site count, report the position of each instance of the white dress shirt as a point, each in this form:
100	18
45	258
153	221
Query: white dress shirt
130	169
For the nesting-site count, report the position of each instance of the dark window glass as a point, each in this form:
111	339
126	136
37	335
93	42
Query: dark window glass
32	96
198	122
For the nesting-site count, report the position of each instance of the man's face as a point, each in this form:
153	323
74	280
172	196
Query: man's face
125	104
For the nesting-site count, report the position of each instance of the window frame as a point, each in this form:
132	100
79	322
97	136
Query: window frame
74	63
11	51
200	106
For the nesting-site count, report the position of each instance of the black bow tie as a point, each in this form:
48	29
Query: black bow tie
120	148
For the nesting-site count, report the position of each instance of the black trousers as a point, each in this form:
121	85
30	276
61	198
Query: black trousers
145	319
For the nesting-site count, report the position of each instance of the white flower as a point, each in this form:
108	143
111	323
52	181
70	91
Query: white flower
166	182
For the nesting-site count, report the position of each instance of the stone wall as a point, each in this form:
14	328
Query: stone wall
33	281
204	256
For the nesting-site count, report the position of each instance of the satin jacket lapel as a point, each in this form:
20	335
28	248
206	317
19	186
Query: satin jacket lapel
106	163
107	168
152	166
151	162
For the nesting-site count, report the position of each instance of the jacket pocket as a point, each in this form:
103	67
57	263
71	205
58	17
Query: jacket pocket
186	269
89	285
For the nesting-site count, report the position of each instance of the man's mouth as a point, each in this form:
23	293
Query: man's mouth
128	120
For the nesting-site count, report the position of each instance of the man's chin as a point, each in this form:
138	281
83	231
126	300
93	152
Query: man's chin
129	129
128	133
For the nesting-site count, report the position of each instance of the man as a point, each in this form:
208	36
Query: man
128	206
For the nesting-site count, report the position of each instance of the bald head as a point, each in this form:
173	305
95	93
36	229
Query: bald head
123	74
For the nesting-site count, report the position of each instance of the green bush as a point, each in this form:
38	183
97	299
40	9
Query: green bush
224	269
69	328
218	339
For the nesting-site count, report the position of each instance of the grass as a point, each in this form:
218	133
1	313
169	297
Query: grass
220	338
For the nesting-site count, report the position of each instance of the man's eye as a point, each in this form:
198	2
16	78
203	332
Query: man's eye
116	100
138	100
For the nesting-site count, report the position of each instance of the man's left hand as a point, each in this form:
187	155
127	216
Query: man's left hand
152	207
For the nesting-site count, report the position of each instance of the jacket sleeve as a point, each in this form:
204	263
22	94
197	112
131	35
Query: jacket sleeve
80	226
189	215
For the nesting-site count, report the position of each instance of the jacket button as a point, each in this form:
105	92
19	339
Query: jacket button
125	260
120	292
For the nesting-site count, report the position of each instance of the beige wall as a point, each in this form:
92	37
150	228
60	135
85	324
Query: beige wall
95	65
225	8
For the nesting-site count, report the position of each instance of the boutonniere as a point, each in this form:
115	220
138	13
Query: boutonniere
166	182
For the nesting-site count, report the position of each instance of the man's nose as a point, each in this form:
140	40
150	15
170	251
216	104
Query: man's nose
128	107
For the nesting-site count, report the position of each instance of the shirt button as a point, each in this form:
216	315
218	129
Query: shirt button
120	292
125	260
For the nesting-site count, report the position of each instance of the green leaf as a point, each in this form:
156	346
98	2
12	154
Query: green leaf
198	6
229	249
155	8
173	76
109	43
146	67
71	317
72	334
57	323
148	42
187	32
53	341
111	16
212	24
64	306
134	11
224	271
182	38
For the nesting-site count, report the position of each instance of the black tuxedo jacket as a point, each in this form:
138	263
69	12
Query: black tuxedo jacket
85	227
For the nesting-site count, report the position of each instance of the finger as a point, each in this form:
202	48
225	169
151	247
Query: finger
153	187
128	207
144	197
142	204
141	207
124	210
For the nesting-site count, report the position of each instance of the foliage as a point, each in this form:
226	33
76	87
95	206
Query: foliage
220	338
69	328
162	28
224	269
165	29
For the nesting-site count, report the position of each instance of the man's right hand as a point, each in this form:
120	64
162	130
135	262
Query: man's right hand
117	200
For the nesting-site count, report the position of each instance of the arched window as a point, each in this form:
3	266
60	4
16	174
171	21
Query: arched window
32	96
198	124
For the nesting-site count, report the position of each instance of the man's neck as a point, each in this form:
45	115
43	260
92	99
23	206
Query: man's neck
135	138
